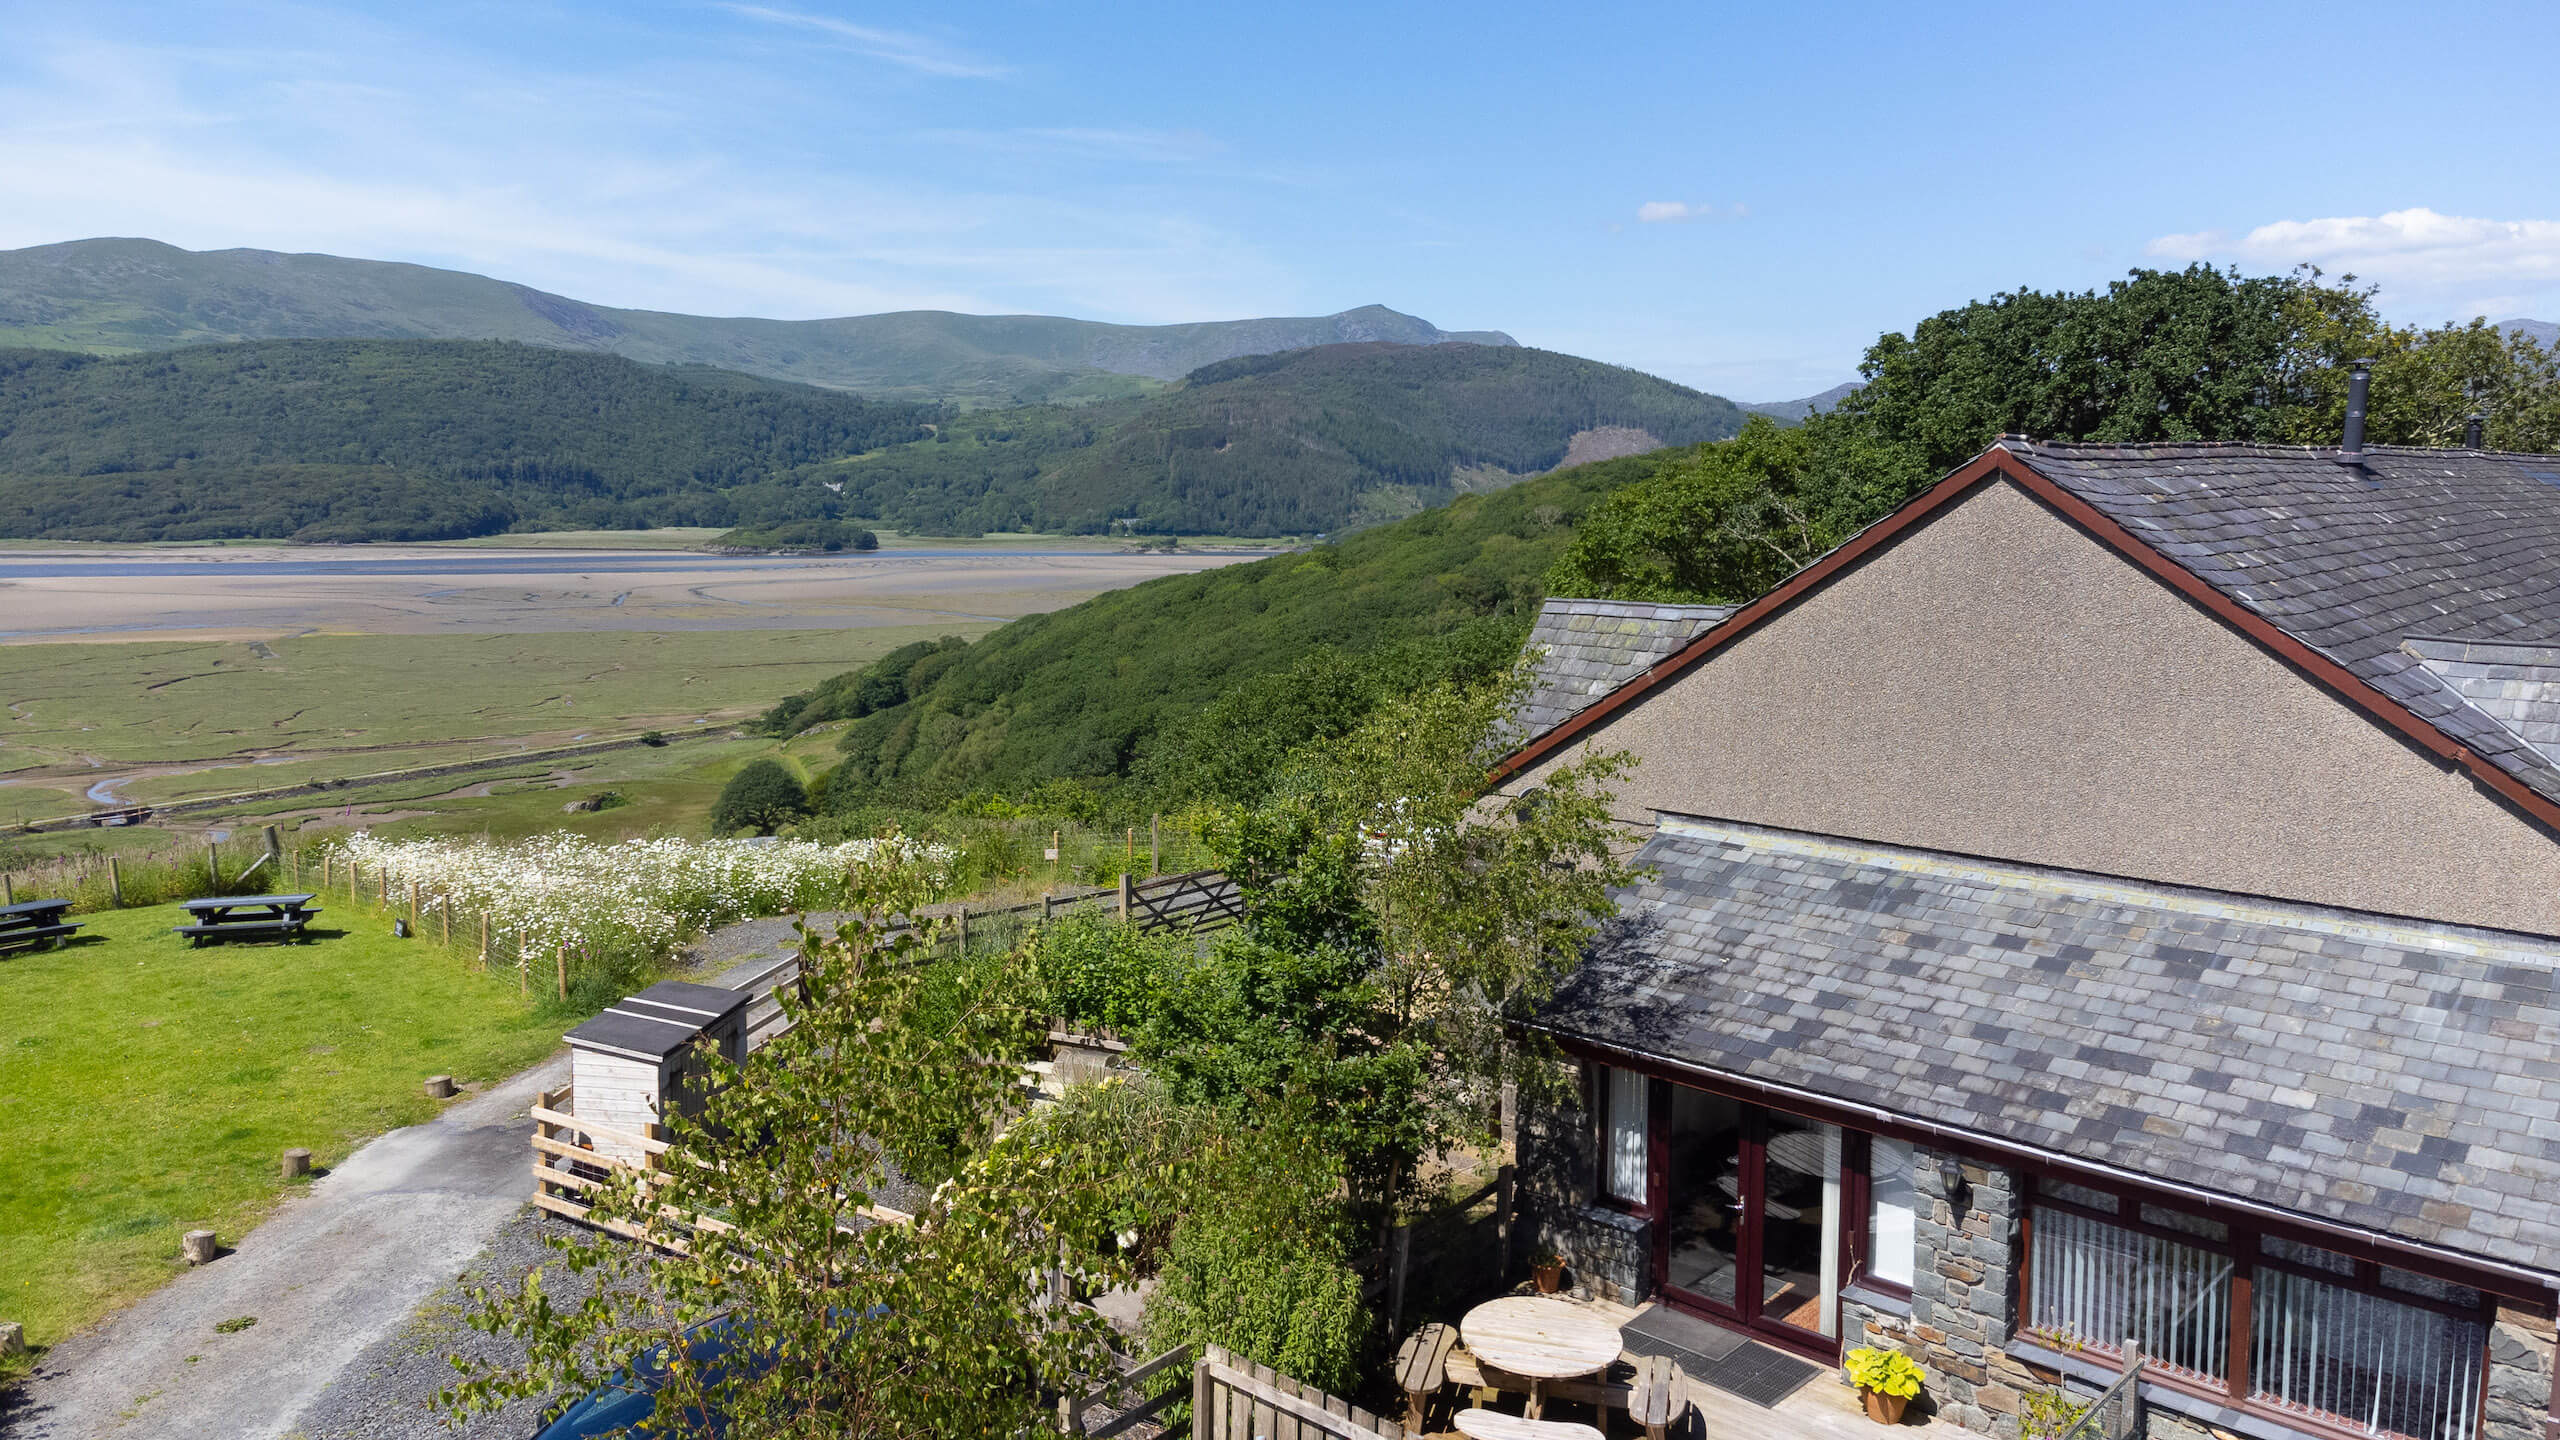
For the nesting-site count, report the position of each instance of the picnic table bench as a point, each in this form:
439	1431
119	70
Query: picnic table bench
247	917
31	923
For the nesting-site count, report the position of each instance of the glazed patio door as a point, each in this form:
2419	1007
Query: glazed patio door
1750	1227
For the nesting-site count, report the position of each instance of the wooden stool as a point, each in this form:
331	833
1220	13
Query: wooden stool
1422	1368
1658	1396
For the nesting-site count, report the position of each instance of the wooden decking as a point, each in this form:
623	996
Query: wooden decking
1824	1409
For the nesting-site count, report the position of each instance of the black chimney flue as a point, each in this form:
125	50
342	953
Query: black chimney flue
2359	384
2473	431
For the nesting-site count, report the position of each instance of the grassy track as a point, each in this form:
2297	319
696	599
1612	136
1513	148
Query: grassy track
344	704
147	1089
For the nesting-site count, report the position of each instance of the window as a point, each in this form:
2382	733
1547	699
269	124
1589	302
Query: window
2355	1345
1623	1167
1893	1212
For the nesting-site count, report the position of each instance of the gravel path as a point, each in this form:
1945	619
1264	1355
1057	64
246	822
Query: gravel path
333	1272
385	1392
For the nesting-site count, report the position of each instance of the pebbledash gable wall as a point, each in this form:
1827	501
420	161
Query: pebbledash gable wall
1998	683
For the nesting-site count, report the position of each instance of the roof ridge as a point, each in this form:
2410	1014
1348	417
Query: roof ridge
2262	446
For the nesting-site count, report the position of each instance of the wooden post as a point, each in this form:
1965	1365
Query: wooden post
561	958
1057	856
484	939
1129	855
1204	1426
115	884
1400	1261
275	845
964	929
8	891
1128	888
1506	1178
213	865
1155	843
413	902
199	1247
385	902
296	1163
1048	907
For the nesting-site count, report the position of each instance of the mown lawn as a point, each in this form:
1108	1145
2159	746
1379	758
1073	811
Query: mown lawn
147	1089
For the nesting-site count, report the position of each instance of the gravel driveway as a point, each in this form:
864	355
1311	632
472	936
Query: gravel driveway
333	1273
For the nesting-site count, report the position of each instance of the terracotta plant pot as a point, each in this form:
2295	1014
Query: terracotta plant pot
1550	1277
1882	1408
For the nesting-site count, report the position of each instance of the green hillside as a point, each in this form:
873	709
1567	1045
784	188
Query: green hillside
1194	684
429	439
123	295
1310	441
384	440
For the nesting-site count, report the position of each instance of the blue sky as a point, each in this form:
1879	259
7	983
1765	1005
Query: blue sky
1737	197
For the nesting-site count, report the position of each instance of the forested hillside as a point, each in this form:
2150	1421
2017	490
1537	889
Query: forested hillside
403	440
422	439
1303	442
119	295
1194	685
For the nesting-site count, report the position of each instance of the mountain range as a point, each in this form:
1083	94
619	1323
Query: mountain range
122	295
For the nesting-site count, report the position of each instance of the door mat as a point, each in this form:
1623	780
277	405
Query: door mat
1718	1357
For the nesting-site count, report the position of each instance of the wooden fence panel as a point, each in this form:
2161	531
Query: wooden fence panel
1233	1399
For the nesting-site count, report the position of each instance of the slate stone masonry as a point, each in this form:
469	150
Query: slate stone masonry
1963	1299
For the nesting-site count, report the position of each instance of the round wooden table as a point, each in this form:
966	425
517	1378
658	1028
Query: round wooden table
1540	1340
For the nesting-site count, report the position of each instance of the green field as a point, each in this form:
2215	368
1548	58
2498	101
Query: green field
328	706
146	1089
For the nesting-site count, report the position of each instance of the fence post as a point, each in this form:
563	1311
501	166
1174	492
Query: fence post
1203	1426
1048	906
964	929
213	864
484	939
1155	843
1507	1177
115	884
561	955
413	902
8	891
1057	856
1127	892
1398	1262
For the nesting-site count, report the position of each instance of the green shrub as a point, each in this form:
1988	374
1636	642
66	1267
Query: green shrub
763	798
1259	1264
1097	971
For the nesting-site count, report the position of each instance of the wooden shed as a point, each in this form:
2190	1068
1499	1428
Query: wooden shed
628	1064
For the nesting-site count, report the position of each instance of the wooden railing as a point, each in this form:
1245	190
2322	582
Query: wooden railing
2113	1415
1113	1397
567	1168
1234	1399
1200	900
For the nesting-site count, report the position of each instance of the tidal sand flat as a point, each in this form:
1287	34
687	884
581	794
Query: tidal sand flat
256	592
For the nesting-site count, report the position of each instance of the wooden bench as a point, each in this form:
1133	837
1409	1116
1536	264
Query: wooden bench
30	923
1494	1425
1652	1389
248	917
1422	1368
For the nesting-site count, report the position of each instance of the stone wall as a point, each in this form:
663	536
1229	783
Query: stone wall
2520	1361
1607	1252
1962	1298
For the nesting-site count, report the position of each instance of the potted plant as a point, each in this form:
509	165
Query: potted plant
1548	1267
1886	1380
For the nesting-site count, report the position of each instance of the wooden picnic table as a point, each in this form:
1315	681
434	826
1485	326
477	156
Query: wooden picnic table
245	917
30	923
1540	1340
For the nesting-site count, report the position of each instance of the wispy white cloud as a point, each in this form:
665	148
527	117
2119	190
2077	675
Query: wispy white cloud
1674	212
1160	147
636	185
2449	265
920	53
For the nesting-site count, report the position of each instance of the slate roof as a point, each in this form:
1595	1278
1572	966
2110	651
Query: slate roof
2354	561
2375	1072
1587	648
